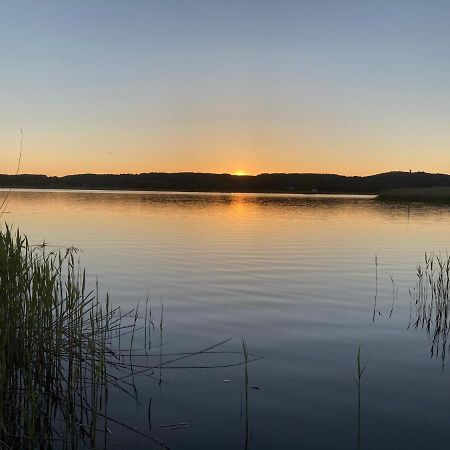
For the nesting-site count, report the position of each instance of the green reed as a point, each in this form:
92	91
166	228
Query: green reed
360	369
53	348
62	350
430	299
246	386
57	361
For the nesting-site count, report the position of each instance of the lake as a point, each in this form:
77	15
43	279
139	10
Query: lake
295	276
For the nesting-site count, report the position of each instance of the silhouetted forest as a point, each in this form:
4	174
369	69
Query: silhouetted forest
208	182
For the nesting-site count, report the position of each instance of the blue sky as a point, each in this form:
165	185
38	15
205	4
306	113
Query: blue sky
350	87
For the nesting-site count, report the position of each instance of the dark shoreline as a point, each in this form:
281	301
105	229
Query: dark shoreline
182	191
275	183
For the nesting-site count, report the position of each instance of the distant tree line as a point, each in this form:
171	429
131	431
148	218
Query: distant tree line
208	182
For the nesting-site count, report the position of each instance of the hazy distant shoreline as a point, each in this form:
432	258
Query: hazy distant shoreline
304	183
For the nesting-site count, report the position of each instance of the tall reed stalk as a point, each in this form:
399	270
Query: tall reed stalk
61	354
53	348
360	368
430	299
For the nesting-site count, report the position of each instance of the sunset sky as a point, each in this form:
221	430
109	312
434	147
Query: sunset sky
350	87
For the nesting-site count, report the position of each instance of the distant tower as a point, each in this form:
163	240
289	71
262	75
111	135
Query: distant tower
410	171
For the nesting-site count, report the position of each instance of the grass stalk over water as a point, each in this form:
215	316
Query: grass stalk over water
53	348
246	386
59	358
431	300
359	374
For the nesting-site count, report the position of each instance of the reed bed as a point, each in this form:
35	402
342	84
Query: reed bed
53	349
430	300
63	350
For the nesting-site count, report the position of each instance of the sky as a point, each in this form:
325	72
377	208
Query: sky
349	87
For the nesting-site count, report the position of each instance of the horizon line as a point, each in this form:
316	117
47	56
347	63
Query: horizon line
236	175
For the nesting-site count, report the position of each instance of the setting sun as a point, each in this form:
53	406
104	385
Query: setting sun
240	173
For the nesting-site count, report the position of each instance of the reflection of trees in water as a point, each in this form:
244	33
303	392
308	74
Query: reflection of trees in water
430	302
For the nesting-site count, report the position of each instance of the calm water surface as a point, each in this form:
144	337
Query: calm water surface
292	275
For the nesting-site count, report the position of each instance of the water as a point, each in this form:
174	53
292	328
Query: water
292	275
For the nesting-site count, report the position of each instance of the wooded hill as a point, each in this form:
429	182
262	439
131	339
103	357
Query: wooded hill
208	182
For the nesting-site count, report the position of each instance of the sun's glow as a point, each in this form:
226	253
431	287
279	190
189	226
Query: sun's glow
239	173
